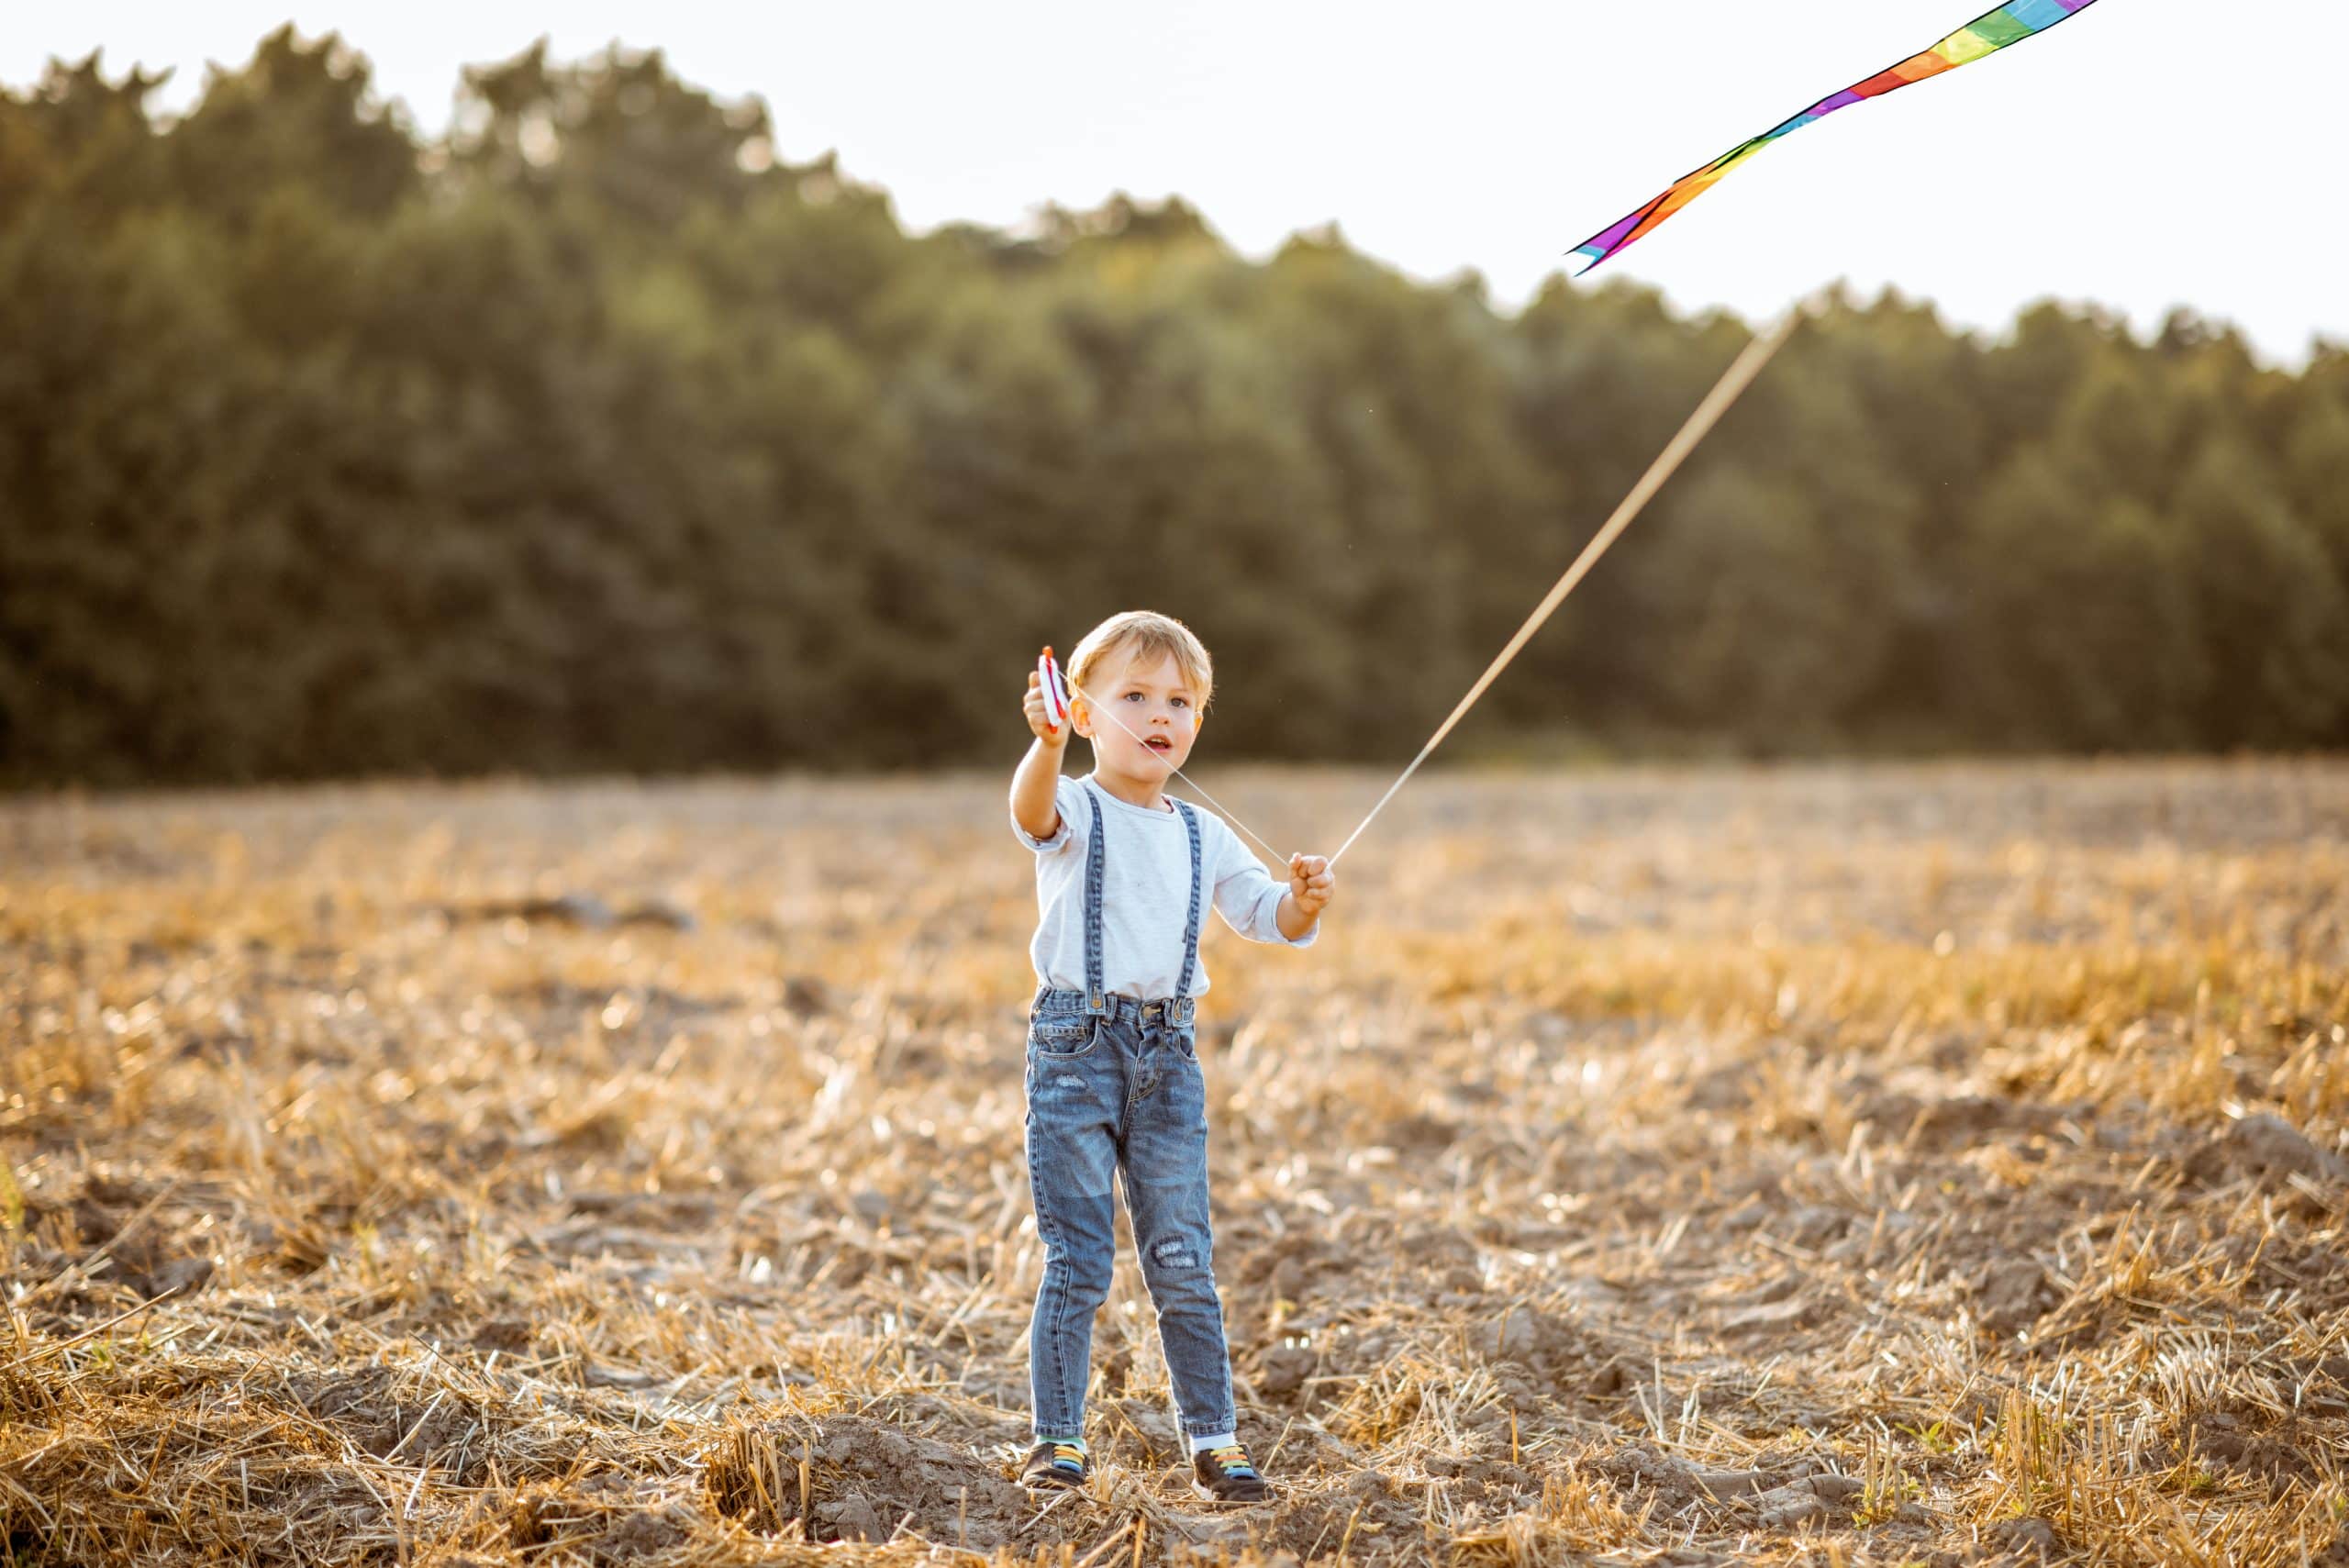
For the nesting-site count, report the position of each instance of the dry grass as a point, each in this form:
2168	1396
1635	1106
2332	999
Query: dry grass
1852	1166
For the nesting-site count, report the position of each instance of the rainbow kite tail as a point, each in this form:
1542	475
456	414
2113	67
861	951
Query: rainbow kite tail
1986	33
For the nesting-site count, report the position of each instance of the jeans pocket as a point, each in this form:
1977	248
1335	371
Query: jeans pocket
1062	1036
1186	1041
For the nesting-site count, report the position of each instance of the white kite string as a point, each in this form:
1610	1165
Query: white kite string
1733	382
1222	810
1740	374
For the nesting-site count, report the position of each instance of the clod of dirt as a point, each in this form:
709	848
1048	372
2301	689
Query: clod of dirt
659	912
1771	1317
153	1274
1563	1359
141	1254
298	1246
1289	1268
1724	1485
641	1532
1535	1337
1434	1247
1814	1224
511	1335
2012	1293
1787	1506
1517	1334
1459	1281
2279	1457
1419	1133
804	996
2026	1541
1384	1525
1150	1420
849	1518
2268	1147
2325	1385
570	909
863	1478
610	1518
582	909
1639	1470
1282	1370
1490	1472
1972	1118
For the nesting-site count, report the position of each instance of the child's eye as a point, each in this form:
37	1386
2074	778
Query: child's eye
1133	696
1181	702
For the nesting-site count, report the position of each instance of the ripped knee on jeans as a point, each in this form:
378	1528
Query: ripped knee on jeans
1175	1252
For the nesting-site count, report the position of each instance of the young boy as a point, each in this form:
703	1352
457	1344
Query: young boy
1122	874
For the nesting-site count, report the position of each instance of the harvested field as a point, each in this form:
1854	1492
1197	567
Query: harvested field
1883	1165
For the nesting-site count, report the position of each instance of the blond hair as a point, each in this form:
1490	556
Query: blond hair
1145	635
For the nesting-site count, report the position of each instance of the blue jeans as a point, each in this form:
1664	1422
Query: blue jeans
1116	1093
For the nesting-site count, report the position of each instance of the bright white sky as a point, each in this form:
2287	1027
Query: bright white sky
2145	154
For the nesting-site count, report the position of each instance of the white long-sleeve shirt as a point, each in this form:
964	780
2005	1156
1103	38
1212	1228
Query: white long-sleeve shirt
1145	893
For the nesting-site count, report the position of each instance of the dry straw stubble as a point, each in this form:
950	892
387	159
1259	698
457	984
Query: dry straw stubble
1865	1165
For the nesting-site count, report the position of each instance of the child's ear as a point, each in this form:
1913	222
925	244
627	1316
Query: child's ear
1080	717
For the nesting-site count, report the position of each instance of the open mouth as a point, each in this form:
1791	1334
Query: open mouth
1160	744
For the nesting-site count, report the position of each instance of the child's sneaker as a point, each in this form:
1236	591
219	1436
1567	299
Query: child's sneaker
1227	1475
1053	1467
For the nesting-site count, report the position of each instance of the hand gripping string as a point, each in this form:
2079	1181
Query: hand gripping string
1740	374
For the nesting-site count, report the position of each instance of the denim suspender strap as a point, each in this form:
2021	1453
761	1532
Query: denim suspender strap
1191	926
1095	853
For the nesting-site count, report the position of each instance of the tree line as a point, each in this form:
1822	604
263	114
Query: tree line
593	435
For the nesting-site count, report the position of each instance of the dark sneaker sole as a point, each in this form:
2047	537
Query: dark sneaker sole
1208	1493
1049	1484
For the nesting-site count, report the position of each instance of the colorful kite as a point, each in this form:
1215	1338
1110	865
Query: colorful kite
1986	33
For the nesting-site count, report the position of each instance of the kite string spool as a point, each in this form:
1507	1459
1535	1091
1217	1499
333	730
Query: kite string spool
1733	382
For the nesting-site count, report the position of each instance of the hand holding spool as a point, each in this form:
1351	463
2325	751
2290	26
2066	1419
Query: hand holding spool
1047	704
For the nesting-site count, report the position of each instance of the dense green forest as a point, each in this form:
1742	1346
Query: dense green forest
592	437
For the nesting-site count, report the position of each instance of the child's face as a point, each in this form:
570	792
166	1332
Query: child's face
1153	701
